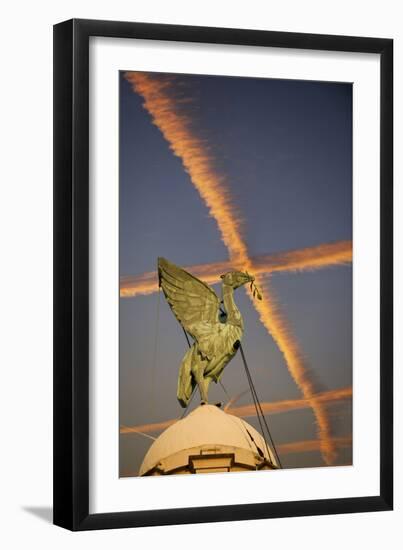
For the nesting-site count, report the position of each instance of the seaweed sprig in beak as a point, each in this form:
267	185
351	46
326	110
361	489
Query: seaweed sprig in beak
253	288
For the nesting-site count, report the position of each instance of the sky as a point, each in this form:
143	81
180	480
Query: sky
274	159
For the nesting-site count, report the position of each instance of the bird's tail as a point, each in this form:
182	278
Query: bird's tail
186	382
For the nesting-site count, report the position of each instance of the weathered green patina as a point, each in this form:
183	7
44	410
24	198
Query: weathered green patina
216	331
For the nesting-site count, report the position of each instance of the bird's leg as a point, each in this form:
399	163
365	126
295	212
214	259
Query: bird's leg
203	384
206	384
199	366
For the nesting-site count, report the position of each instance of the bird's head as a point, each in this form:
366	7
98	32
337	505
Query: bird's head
235	279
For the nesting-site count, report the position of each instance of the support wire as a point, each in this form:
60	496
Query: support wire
259	410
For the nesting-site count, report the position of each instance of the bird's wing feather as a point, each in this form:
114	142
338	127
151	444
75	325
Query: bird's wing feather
194	303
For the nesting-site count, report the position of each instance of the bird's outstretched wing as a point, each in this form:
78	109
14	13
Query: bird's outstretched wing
194	303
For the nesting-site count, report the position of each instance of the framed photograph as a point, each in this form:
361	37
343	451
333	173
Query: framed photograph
223	259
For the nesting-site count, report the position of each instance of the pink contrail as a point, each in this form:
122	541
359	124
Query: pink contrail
245	411
304	259
311	445
176	128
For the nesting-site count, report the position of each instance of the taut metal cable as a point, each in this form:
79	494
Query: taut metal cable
259	410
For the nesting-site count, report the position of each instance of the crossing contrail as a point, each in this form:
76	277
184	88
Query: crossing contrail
311	445
160	102
245	411
304	259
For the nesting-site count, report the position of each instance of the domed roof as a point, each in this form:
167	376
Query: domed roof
206	425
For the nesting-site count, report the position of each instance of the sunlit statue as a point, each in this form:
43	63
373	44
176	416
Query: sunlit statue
216	330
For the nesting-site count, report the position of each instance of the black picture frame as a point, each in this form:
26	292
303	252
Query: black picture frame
71	274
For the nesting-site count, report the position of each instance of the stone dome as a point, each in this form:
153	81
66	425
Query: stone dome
208	439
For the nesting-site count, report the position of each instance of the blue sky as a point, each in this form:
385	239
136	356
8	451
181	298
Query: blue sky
285	149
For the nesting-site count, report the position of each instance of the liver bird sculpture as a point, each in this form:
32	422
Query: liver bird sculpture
216	331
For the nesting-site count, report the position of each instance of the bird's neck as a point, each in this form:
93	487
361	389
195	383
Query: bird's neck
233	314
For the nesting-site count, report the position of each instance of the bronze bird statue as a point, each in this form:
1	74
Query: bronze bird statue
216	332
